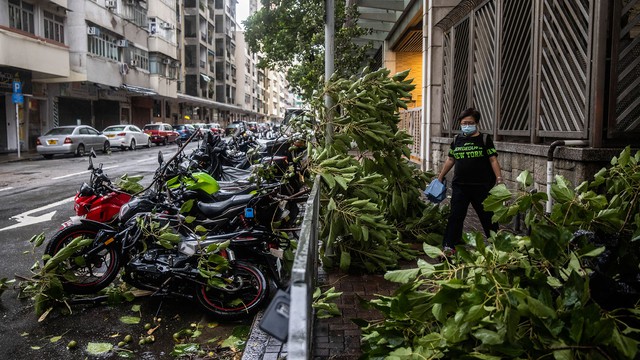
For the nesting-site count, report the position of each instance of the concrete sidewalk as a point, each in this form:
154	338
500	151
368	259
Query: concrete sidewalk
338	338
6	157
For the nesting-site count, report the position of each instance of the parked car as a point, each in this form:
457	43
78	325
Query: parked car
215	128
201	128
161	133
126	136
233	127
73	139
252	126
185	130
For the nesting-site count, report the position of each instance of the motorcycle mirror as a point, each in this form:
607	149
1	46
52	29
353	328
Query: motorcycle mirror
160	157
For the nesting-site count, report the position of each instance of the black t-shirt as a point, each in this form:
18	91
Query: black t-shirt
472	159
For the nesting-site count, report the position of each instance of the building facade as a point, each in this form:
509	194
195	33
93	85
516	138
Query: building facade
105	62
540	72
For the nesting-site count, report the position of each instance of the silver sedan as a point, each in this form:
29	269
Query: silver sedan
74	139
127	137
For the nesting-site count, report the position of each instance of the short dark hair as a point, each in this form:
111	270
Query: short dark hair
475	114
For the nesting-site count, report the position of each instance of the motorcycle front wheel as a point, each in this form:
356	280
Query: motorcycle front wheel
240	299
81	275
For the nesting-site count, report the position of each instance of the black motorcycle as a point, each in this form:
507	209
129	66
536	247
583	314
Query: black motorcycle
178	262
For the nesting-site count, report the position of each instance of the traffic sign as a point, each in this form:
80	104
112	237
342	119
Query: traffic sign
17	98
17	87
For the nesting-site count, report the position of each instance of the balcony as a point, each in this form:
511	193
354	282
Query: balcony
57	56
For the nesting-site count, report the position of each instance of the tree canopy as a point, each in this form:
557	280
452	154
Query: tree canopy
290	36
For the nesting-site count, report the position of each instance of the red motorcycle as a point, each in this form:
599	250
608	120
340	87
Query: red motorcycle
98	200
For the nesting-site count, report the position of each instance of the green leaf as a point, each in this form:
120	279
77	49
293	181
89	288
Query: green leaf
539	309
186	207
626	345
432	251
200	229
170	237
488	337
525	179
98	348
55	339
402	276
130	319
561	190
329	180
135	308
345	260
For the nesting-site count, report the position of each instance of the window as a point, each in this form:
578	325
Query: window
21	16
103	45
53	27
141	57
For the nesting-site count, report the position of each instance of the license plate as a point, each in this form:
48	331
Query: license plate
52	142
111	136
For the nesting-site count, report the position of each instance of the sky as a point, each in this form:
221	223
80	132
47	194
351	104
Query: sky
242	12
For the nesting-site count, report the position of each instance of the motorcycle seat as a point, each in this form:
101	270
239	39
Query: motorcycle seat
218	208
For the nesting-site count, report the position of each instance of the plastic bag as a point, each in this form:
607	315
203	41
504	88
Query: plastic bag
436	191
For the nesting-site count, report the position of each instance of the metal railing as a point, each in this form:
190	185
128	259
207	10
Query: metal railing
303	278
410	121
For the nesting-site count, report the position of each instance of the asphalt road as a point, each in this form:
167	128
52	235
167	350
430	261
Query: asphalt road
37	196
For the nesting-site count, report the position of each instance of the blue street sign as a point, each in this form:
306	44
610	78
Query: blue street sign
17	87
17	98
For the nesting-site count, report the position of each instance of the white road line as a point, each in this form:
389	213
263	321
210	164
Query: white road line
70	175
80	173
6	188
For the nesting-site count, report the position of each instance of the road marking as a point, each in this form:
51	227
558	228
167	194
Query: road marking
25	218
6	188
81	172
70	175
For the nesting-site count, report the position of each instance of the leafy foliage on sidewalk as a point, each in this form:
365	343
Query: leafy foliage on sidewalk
568	291
371	191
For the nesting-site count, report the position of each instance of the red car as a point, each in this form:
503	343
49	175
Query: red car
161	133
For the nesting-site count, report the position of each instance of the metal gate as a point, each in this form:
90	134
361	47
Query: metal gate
515	109
484	64
624	116
565	68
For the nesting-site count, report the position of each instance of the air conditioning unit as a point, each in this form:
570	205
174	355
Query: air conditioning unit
110	4
122	43
93	31
167	26
175	64
133	63
166	61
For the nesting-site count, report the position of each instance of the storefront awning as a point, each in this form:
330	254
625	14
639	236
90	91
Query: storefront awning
139	90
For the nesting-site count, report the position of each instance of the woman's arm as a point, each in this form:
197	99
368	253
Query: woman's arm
448	164
495	165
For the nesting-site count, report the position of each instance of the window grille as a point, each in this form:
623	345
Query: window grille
103	45
53	27
21	16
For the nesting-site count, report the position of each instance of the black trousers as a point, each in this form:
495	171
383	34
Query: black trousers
461	197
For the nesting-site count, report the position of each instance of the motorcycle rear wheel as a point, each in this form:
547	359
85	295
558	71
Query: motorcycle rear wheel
241	299
97	272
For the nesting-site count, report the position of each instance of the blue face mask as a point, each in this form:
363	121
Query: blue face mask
468	129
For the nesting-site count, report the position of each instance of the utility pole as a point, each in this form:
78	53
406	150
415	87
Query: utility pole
329	63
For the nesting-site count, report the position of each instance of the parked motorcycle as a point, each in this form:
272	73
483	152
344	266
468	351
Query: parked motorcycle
202	269
99	200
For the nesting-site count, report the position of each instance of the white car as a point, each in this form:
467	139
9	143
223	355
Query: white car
127	137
